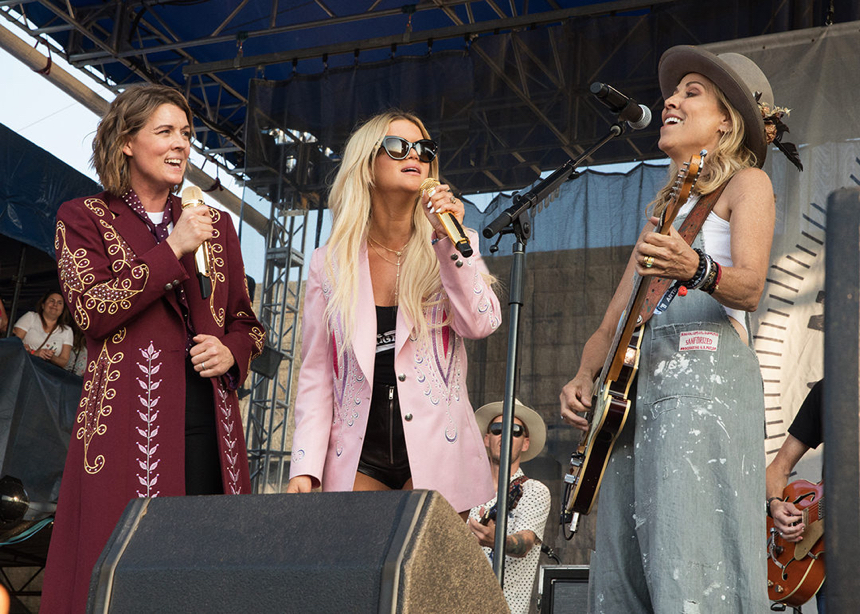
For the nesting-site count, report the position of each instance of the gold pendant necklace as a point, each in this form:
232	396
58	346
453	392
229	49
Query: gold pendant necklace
397	264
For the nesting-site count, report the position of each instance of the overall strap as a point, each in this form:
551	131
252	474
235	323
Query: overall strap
688	231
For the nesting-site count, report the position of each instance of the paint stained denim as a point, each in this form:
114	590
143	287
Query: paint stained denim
680	526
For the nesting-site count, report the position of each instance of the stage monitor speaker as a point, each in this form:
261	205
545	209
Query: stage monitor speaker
400	551
563	589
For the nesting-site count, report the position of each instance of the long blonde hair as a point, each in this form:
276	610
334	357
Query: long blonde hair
730	156
350	204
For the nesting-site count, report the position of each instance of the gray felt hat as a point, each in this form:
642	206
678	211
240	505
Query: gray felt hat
737	76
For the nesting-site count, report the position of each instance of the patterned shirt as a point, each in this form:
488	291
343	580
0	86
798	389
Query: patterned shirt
530	514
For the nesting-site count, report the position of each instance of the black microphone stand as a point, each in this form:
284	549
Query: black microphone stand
515	220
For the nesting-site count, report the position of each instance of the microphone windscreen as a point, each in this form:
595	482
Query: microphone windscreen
643	121
192	196
428	184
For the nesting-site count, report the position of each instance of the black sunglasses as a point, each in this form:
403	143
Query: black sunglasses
496	429
398	148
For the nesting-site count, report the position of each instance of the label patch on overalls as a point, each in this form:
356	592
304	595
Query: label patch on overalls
699	340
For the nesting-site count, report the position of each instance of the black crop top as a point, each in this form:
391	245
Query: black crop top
386	325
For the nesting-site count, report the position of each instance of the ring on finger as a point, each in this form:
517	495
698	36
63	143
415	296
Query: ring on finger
203	366
452	198
648	262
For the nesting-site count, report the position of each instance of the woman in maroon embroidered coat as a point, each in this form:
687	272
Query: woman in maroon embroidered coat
159	414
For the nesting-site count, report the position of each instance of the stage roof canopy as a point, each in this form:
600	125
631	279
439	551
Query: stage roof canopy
502	84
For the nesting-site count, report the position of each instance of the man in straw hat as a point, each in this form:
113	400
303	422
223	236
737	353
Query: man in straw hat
679	525
529	501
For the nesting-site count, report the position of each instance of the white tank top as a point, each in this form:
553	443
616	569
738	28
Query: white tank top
717	235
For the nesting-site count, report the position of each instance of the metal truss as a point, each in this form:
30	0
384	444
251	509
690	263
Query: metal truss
124	41
268	411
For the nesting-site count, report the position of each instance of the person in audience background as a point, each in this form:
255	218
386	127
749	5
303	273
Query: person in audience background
4	319
528	512
44	332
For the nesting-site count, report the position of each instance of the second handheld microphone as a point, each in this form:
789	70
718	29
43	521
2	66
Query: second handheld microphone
452	227
191	197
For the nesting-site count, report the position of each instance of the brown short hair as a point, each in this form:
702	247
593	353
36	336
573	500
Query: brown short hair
127	114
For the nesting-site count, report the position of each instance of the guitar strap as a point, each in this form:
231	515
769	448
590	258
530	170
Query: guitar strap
689	229
514	483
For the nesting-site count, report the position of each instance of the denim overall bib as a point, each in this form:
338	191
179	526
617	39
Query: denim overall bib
681	523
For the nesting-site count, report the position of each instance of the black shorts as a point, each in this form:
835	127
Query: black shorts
383	454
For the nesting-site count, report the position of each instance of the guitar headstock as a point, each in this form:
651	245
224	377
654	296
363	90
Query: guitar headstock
685	181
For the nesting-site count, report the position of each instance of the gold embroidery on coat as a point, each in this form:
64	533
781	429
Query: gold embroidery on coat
95	403
259	338
216	268
77	277
75	274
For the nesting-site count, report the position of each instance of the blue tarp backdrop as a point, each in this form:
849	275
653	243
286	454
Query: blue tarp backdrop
33	185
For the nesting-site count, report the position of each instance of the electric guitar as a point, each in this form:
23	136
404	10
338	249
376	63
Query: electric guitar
514	496
609	403
795	571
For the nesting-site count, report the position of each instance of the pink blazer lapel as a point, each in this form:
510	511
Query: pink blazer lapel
365	317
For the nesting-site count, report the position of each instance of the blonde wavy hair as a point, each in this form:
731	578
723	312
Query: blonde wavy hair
127	114
730	156
350	204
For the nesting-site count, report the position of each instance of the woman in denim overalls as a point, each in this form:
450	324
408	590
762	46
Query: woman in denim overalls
681	526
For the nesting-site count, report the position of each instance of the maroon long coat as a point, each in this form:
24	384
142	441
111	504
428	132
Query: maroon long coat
129	437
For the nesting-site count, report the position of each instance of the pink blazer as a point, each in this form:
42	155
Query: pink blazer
445	447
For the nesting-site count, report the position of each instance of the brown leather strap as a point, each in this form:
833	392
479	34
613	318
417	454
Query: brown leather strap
688	231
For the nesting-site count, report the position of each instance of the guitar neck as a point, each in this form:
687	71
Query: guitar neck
625	332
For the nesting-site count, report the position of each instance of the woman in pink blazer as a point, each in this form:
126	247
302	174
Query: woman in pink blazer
382	401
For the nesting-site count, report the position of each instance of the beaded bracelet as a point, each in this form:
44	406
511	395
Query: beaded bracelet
700	274
706	266
437	239
711	287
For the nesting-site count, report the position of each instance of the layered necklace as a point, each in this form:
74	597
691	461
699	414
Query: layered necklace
398	253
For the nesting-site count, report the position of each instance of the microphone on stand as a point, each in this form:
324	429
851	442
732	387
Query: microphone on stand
636	115
452	227
192	196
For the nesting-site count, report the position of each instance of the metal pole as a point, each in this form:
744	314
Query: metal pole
19	283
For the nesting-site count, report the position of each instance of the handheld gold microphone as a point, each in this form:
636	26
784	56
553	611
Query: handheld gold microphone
192	196
452	227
